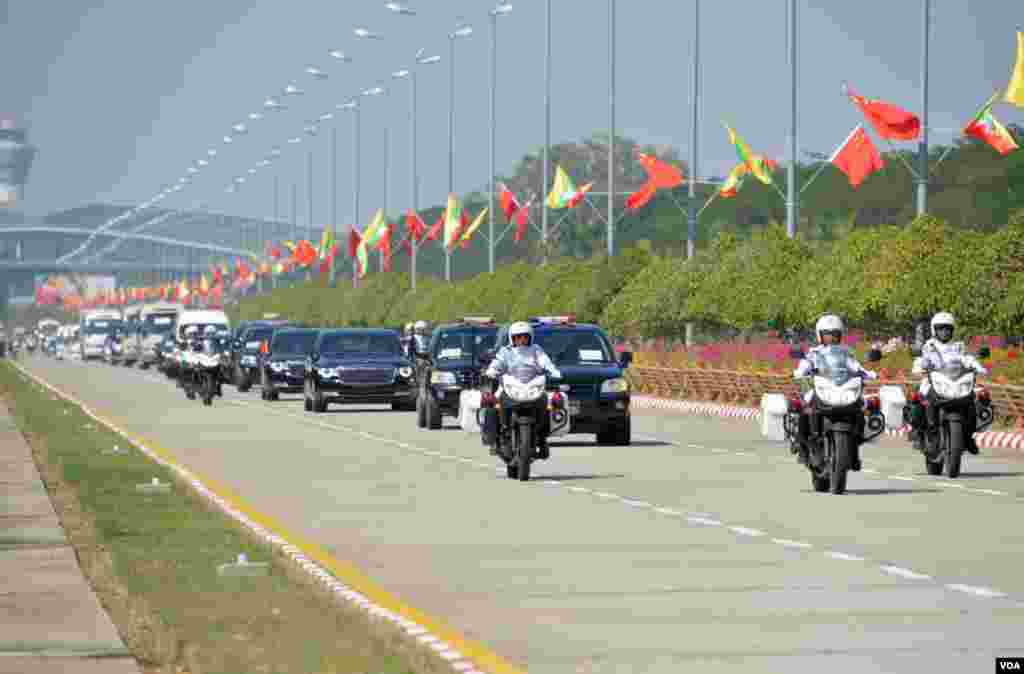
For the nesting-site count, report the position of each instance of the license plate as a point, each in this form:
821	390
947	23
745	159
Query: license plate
574	407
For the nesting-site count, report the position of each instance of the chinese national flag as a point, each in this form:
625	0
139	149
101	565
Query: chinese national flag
414	225
353	241
889	121
640	198
522	222
508	202
857	157
435	230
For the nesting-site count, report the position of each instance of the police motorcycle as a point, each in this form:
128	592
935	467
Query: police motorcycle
954	396
202	374
514	435
31	343
841	419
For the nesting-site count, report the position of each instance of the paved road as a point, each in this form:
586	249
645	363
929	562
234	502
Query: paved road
702	545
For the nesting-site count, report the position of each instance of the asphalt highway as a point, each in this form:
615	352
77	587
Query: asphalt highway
700	548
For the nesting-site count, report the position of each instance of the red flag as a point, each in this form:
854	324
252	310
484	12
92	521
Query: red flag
660	175
435	230
857	157
888	120
407	247
507	201
640	198
522	222
986	128
414	225
353	241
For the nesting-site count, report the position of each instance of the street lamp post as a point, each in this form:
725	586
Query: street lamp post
461	31
922	179
611	128
792	194
502	8
380	91
353	107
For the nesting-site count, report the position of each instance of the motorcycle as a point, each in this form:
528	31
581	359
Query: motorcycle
516	438
955	395
202	374
841	419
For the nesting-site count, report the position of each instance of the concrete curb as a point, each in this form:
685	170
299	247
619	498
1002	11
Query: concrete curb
987	439
458	662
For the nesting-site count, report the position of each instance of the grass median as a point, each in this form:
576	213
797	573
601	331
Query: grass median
153	559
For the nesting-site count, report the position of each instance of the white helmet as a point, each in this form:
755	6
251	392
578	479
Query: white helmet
408	328
420	327
830	323
519	328
191	330
210	330
943	319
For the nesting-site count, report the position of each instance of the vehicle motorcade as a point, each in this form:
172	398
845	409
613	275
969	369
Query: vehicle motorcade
841	419
451	365
201	319
599	395
130	340
31	342
113	350
46	330
96	327
156	323
283	366
165	356
955	394
201	374
246	349
359	365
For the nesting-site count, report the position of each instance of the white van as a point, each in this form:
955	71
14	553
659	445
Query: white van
155	322
96	327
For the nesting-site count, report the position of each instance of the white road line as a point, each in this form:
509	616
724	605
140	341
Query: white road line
707	521
976	591
792	544
745	531
900	477
636	504
904	573
844	556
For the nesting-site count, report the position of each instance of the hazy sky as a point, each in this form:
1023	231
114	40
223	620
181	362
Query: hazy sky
123	95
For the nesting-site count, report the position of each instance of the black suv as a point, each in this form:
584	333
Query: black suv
283	368
598	390
359	365
452	364
245	351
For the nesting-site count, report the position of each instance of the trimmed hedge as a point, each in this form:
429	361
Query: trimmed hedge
882	279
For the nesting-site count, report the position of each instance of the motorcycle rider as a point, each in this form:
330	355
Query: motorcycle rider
525	360
829	330
938	352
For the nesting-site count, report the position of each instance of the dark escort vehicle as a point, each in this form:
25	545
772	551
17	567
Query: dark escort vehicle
283	367
598	388
359	365
246	349
451	365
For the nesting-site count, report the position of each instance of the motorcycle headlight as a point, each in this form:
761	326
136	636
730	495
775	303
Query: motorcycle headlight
952	389
524	393
437	377
617	385
329	372
405	372
837	396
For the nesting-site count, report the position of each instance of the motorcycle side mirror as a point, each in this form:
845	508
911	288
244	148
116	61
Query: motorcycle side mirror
626	358
874	355
985	352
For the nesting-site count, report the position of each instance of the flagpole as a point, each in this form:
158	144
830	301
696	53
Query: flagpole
451	147
414	244
332	170
355	186
611	128
792	195
490	192
691	207
547	127
922	177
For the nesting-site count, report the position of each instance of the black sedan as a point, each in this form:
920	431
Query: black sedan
283	368
359	365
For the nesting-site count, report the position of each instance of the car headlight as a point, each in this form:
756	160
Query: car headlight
616	385
437	377
329	372
248	360
405	372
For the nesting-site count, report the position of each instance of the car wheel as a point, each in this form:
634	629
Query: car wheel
433	414
623	434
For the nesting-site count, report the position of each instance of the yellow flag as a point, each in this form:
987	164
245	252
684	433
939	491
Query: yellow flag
475	226
1015	89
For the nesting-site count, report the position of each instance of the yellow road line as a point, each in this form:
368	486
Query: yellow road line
346	572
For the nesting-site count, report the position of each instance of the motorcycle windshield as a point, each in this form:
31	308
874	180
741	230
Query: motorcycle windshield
832	363
524	374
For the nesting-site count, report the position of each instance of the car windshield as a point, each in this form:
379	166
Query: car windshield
361	343
574	347
101	327
201	328
463	344
158	324
258	335
293	342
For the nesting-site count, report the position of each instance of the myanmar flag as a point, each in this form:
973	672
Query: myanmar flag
1015	89
985	127
369	239
471	230
452	221
326	241
733	182
755	163
564	193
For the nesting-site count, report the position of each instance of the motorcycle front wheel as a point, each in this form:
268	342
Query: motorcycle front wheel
954	447
842	451
525	452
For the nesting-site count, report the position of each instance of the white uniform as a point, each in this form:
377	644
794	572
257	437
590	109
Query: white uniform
522	362
935	355
807	365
